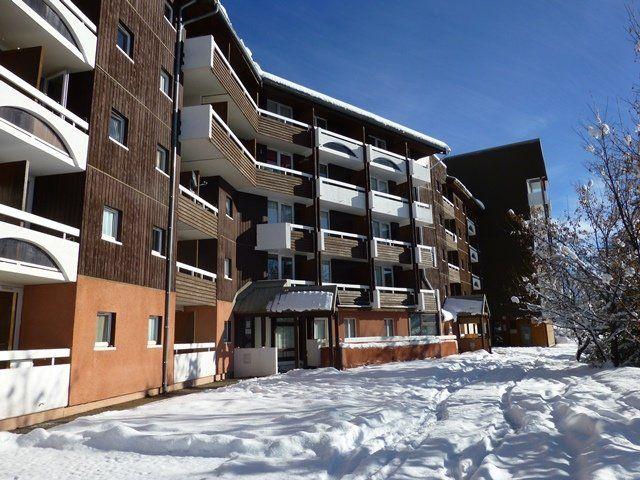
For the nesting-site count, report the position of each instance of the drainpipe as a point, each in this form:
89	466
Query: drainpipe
173	178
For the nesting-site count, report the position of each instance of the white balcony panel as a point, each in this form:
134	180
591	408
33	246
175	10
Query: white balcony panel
420	173
339	150
25	388
426	254
423	213
67	35
448	208
471	227
473	255
429	301
273	236
389	207
342	196
475	281
193	360
454	273
386	165
29	131
62	253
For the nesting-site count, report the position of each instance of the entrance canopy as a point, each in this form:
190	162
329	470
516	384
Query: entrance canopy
467	305
277	297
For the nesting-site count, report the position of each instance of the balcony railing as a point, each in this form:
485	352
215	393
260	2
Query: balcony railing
341	195
338	149
451	240
391	207
420	173
448	208
285	181
426	256
423	213
392	251
454	273
387	164
36	127
473	255
476	282
471	227
393	297
429	301
194	286
26	388
342	244
28	255
350	295
197	218
193	360
281	237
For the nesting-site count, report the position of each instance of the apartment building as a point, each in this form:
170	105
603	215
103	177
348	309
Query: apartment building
507	178
290	229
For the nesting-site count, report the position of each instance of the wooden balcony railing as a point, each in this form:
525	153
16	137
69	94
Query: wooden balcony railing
283	180
350	295
342	244
197	213
195	286
392	251
387	297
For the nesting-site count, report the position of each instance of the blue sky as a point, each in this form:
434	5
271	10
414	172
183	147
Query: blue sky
472	73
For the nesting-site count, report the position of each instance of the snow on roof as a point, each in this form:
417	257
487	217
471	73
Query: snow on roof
301	301
466	191
353	110
274	296
471	304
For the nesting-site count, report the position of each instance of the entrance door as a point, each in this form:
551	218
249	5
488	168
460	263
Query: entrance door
285	342
525	335
8	318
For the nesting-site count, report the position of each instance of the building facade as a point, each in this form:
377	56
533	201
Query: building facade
121	265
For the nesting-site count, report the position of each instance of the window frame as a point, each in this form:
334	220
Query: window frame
110	343
280	206
325	214
379	181
169	83
157	319
350	332
128	35
378	225
228	274
228	207
116	115
279	155
322	119
226	332
116	224
279	108
389	327
163	237
384	270
377	142
322	271
165	152
164	13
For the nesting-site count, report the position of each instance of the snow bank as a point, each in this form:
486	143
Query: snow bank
384	342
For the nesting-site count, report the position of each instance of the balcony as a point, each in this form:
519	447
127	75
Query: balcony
426	256
471	227
423	214
454	273
207	73
393	297
193	360
473	255
339	150
391	251
448	208
342	245
429	301
197	219
342	196
476	283
29	256
387	165
284	183
420	173
285	133
209	145
67	36
194	286
352	295
389	207
451	240
26	388
284	237
33	127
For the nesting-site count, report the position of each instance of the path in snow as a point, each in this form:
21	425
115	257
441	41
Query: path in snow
519	413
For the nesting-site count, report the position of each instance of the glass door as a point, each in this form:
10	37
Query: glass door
285	342
10	303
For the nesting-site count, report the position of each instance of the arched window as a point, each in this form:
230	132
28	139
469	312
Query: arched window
25	252
340	148
52	18
32	124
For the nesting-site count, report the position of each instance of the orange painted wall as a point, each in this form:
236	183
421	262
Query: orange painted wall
355	357
224	351
371	323
132	366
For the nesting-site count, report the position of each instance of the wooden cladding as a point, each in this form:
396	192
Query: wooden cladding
232	151
353	298
235	90
301	241
285	184
430	302
344	247
454	275
394	253
426	259
191	291
286	132
195	216
397	299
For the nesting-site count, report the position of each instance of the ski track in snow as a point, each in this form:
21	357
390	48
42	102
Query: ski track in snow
519	413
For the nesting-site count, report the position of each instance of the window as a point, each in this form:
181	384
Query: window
326	271
535	186
324	220
279	109
227	268
319	328
381	229
154	331
228	207
378	142
162	159
226	332
379	185
110	224
279	212
280	159
124	40
423	324
320	122
323	171
349	327
388	327
157	241
384	276
118	126
168	12
105	330
272	267
286	268
165	82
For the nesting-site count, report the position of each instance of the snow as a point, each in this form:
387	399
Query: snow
395	341
519	413
301	301
469	305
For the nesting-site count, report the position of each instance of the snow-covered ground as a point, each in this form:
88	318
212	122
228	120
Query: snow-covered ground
519	413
